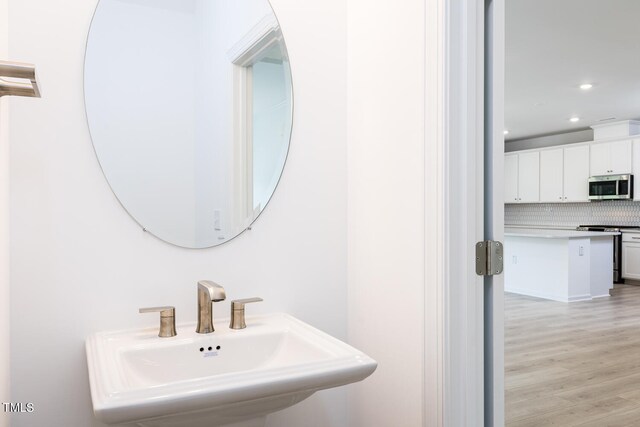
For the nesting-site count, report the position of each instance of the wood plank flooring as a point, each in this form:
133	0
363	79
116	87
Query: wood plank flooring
574	364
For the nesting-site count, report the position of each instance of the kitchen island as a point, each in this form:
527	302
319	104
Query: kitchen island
560	265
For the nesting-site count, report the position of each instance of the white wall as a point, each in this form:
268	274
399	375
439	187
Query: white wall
80	264
386	208
4	223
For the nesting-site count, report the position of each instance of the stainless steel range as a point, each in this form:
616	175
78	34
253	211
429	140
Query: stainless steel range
617	245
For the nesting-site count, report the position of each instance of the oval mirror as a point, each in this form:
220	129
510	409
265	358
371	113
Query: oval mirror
189	104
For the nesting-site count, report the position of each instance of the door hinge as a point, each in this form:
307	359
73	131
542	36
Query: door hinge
489	258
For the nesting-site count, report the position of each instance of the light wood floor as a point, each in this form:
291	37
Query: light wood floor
573	364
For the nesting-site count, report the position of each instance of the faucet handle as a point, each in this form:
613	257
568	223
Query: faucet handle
167	319
237	312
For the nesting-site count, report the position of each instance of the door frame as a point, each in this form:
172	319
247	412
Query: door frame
464	146
494	208
248	50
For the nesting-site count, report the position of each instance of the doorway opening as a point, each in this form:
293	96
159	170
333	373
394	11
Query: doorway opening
262	116
572	270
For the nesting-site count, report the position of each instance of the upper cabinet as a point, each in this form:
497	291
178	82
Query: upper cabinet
636	170
564	173
529	177
561	174
522	177
551	177
511	178
611	158
576	174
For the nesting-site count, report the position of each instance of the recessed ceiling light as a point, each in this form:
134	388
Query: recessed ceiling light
506	132
574	119
586	86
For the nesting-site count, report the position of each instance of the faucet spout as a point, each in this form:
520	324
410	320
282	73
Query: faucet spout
208	293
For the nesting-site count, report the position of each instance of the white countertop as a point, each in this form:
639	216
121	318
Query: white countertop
631	231
554	233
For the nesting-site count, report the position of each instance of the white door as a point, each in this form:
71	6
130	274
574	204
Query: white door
511	178
551	176
529	177
576	174
620	152
600	159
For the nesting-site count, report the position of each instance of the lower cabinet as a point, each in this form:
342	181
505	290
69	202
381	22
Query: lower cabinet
631	256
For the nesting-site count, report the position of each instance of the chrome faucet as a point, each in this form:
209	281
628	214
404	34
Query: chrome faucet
208	293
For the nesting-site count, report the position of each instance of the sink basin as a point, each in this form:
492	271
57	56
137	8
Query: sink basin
228	377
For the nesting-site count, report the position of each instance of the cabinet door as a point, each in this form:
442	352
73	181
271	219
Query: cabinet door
636	169
511	178
600	159
551	166
576	174
620	157
529	177
631	261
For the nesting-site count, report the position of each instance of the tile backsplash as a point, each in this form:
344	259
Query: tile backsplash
614	212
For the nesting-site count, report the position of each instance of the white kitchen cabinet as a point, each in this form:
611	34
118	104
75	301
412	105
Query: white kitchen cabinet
551	176
561	174
522	177
631	256
600	159
610	158
576	174
511	178
564	174
621	157
636	169
529	177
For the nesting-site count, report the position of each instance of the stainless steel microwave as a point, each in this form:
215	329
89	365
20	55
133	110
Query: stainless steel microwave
611	187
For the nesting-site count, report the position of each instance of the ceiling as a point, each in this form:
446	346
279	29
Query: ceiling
554	46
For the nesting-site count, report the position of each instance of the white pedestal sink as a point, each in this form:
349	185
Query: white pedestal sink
227	378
